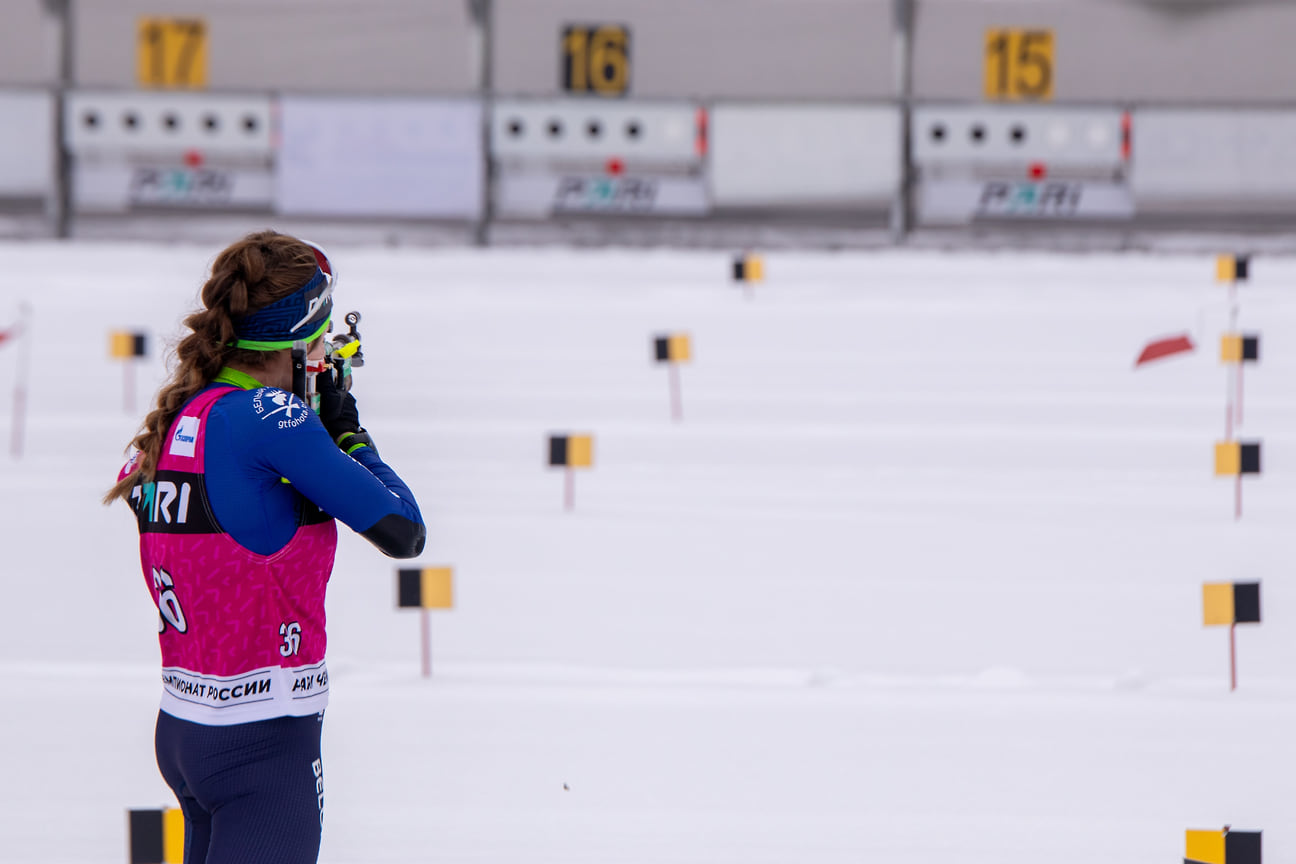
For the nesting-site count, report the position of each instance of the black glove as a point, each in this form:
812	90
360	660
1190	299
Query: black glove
339	413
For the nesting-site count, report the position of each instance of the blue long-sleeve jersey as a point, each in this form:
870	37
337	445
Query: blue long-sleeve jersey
258	438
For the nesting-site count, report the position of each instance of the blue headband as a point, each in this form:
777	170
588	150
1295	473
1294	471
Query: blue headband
300	317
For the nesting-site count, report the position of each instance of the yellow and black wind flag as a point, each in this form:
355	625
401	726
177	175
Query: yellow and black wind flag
571	451
1240	348
123	344
748	268
1236	458
156	836
674	348
1228	603
425	588
1222	847
1232	268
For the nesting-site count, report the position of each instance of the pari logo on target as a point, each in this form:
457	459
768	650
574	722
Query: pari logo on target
186	437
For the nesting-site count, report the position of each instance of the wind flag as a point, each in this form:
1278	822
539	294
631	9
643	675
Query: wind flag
1240	348
123	344
1237	349
673	349
1166	347
571	452
1232	268
156	836
6	335
1222	847
425	588
127	345
748	268
1231	604
1237	458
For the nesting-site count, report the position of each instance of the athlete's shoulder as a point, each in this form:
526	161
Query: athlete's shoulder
131	464
265	408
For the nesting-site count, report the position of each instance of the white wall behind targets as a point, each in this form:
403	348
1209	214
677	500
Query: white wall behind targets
402	158
27	144
804	155
1235	160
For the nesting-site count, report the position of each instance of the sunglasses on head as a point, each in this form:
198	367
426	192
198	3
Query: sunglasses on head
322	261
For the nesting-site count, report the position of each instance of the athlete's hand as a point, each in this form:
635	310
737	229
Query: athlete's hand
340	415
331	397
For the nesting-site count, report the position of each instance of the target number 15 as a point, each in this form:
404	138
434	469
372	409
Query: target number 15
1019	64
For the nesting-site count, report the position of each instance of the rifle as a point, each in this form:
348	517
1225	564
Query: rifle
342	353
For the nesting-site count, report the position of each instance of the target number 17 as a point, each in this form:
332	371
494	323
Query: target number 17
172	53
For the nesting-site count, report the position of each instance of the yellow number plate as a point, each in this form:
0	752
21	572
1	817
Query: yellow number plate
596	59
172	53
1019	65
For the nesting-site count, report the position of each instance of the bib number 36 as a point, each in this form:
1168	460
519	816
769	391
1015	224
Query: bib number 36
291	633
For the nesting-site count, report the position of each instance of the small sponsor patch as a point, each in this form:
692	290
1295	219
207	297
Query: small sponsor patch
186	437
285	407
130	465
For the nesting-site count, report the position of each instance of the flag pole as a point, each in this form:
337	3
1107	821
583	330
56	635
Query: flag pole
1232	656
1235	396
20	382
426	633
128	385
1238	401
1228	409
677	405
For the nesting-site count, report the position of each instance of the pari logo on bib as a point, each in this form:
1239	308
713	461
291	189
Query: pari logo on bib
186	437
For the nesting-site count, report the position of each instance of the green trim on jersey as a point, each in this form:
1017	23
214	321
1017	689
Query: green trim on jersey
239	379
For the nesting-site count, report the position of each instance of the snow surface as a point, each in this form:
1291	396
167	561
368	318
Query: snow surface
917	579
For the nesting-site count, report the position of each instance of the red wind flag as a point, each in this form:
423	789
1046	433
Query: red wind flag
1167	347
6	335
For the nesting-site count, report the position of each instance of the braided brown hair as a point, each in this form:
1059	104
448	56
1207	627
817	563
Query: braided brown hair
248	275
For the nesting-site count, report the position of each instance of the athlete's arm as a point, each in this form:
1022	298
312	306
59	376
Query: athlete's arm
396	534
361	490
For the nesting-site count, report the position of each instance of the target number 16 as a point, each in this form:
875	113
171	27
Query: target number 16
596	59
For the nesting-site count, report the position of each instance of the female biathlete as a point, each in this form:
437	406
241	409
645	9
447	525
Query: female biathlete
236	483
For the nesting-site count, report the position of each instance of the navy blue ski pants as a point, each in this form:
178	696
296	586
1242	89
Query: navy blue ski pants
252	793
